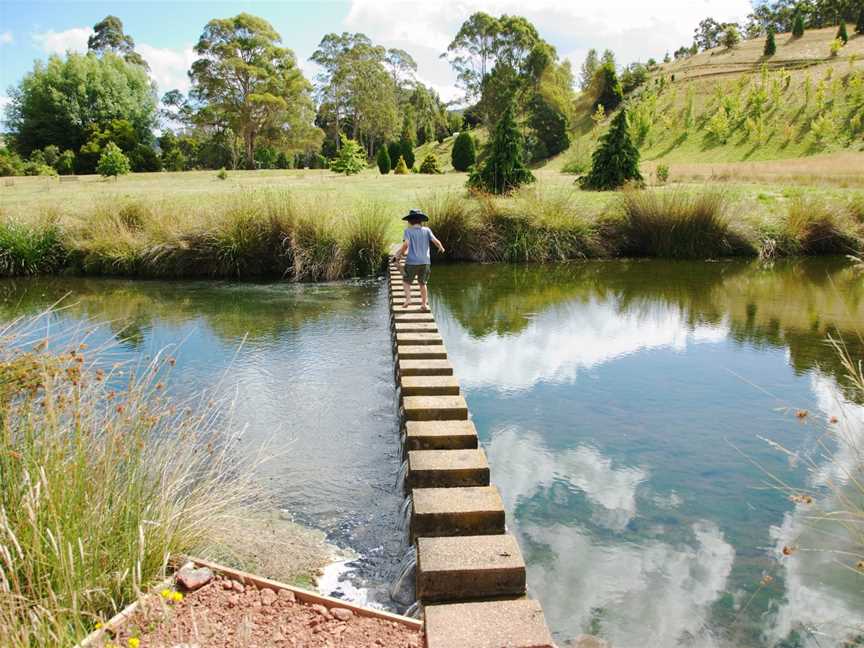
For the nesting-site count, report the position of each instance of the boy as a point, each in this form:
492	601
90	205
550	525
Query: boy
418	264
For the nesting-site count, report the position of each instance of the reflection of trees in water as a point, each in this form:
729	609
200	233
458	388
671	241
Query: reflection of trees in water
261	311
793	304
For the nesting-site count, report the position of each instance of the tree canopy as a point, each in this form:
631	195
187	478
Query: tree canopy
108	36
246	80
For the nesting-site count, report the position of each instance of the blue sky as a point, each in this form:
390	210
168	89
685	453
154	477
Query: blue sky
165	32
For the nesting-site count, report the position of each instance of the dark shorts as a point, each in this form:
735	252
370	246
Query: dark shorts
419	272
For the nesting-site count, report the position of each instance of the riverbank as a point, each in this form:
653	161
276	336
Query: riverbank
313	228
103	478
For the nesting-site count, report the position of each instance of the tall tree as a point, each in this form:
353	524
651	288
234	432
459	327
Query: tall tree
608	58
798	24
589	68
607	88
108	36
707	35
504	168
473	52
247	78
65	100
770	45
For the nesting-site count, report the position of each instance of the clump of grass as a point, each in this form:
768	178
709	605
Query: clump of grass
678	225
317	253
452	219
102	478
814	226
364	240
30	248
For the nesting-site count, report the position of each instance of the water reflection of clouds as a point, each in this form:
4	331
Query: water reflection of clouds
648	593
559	342
823	597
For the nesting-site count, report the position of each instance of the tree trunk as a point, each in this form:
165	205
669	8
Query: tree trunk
249	141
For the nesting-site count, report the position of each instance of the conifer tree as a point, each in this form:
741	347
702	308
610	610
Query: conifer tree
616	159
464	154
430	165
401	168
504	169
798	24
383	160
770	45
841	33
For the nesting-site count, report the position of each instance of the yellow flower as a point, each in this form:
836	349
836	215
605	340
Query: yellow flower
165	593
177	596
98	625
134	642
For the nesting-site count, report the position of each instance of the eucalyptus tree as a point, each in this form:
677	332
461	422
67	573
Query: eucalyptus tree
108	36
246	79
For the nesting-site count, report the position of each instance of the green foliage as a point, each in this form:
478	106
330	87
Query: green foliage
719	125
10	163
842	34
383	161
174	160
549	125
223	174
731	36
662	173
503	170
615	162
266	157
351	158
112	162
273	96
364	241
28	249
606	88
108	36
394	150
859	25
406	144
836	46
282	161
401	168
65	101
770	45
463	156
38	169
430	165
633	76
798	24
144	158
51	154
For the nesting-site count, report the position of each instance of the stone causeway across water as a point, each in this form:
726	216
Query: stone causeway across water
471	580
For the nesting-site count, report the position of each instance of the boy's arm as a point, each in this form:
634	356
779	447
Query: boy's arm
436	242
402	250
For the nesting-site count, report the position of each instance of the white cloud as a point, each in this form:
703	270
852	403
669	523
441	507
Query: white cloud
168	66
6	37
634	30
74	39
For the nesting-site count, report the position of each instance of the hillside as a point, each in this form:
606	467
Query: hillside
737	105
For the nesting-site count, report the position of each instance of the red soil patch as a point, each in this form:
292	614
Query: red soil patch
226	613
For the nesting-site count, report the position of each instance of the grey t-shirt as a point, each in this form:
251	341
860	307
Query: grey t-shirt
418	245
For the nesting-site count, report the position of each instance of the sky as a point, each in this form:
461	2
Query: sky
165	32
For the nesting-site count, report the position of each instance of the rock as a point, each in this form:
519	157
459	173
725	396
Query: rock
287	595
227	584
342	614
192	578
268	597
238	587
323	611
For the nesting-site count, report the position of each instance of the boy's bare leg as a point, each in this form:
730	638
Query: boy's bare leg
424	294
406	286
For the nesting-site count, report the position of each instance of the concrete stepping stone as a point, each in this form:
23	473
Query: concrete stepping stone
447	468
416	327
415	308
440	435
461	511
435	408
463	568
429	386
418	339
515	623
413	316
421	352
425	368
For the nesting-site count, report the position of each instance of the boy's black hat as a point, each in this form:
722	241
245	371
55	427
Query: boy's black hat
416	215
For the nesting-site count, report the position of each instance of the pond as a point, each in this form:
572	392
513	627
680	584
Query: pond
630	411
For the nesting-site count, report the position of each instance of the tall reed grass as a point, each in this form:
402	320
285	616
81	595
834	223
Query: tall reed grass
102	477
30	248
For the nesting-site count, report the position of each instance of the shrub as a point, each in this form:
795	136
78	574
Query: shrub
66	162
770	45
836	46
503	170
351	158
394	150
718	126
677	225
731	37
798	24
842	34
223	174
364	240
38	169
174	160
814	226
383	160
606	88
51	154
401	168
464	154
144	158
452	220
406	149
28	249
10	163
549	124
112	162
662	173
282	161
616	160
430	165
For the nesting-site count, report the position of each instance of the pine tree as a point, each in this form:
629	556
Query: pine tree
616	159
464	154
798	24
401	168
841	33
770	45
394	150
607	88
407	141
504	169
351	158
859	26
383	160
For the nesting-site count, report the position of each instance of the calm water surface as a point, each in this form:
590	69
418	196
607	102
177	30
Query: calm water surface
627	408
